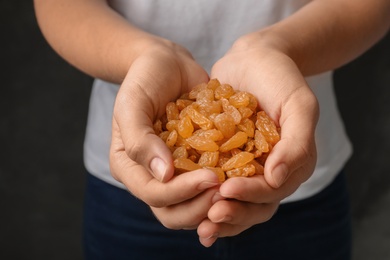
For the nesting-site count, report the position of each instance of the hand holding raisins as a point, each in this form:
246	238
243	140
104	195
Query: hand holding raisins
140	159
275	80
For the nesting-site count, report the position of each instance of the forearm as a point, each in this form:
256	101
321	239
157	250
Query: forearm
91	36
326	34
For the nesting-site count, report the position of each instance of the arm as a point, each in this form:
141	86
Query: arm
91	36
152	71
327	34
272	63
321	36
94	38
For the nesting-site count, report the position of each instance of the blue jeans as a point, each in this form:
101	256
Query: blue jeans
119	226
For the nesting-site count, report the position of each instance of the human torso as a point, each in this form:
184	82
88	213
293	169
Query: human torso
207	28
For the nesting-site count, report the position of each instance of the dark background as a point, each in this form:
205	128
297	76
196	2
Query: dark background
43	109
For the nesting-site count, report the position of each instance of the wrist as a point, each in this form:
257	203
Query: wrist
271	41
266	39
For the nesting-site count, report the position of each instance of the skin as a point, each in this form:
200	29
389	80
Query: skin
270	63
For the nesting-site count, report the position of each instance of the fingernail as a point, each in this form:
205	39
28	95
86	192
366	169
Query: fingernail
217	197
206	184
213	236
159	168
225	219
279	174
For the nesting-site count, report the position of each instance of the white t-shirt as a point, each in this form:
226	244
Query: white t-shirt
208	28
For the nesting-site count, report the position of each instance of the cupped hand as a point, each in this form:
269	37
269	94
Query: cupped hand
273	77
140	159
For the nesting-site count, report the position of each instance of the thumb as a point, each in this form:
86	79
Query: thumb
290	158
295	153
133	132
135	136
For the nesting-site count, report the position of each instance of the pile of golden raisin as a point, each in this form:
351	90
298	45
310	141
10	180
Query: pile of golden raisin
218	128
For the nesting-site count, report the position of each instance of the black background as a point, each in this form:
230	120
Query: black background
43	109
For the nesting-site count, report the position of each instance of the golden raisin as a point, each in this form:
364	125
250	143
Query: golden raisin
213	84
224	91
212	134
237	140
225	123
215	127
164	135
243	171
183	103
185	164
231	110
240	99
245	112
208	159
209	108
267	128
207	95
172	111
259	169
172	138
180	152
247	126
172	125
202	144
185	127
194	92
199	119
260	142
157	127
238	160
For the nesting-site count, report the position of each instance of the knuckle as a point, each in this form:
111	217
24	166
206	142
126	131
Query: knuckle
156	201
133	151
272	209
170	225
167	222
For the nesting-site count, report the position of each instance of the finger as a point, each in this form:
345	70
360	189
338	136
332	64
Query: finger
296	149
188	214
284	95
208	241
143	146
209	232
139	103
195	75
141	100
143	185
241	213
254	189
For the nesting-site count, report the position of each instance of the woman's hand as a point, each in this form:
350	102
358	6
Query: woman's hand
283	94
140	159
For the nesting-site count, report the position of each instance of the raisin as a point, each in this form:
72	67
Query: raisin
267	128
185	164
199	119
172	111
215	127
209	159
240	99
243	171
202	144
225	123
185	127
238	160
180	152
224	91
237	140
172	138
